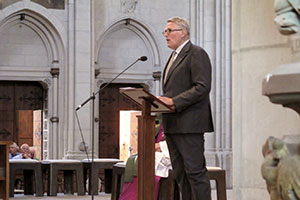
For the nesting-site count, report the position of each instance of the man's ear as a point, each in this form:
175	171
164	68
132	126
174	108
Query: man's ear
183	33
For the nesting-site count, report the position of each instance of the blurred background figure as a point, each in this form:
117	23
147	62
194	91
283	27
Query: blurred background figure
13	150
32	153
25	153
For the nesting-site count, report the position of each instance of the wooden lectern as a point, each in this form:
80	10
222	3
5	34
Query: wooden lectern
146	138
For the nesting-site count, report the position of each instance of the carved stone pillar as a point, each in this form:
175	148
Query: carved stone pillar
54	119
215	39
157	84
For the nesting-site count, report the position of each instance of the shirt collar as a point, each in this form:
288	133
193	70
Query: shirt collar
181	47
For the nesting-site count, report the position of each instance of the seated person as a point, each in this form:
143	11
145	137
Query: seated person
32	153
13	150
25	153
162	166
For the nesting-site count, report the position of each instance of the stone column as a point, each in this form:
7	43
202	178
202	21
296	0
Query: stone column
80	78
157	75
216	40
54	119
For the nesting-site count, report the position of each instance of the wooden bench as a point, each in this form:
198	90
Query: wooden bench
68	166
105	164
31	168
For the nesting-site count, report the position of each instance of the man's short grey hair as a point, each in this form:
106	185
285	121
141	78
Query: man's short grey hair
182	23
16	146
24	145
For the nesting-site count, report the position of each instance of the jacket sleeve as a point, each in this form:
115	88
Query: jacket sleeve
200	80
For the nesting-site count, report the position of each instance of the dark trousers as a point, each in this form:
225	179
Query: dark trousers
189	166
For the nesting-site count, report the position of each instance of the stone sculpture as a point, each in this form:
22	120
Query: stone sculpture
281	169
288	13
281	165
128	6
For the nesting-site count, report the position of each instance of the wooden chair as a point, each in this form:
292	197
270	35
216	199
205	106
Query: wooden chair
218	174
117	180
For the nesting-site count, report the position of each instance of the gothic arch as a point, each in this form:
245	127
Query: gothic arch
43	27
51	32
138	28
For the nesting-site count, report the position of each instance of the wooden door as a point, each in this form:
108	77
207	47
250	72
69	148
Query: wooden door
110	104
18	98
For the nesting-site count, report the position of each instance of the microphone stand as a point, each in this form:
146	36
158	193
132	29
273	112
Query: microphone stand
92	97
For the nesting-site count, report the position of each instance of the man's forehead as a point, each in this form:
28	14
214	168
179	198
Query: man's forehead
171	24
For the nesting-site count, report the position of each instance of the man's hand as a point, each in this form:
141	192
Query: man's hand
25	156
157	147
168	101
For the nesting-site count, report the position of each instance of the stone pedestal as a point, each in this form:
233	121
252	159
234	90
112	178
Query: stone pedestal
282	86
281	164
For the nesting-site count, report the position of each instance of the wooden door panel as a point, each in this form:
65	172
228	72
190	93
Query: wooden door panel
25	127
18	95
110	104
109	99
108	124
7	111
7	115
109	140
37	133
6	130
109	115
6	97
28	96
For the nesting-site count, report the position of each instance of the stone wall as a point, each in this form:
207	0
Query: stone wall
75	42
257	49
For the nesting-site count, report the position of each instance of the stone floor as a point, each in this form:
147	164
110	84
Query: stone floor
101	196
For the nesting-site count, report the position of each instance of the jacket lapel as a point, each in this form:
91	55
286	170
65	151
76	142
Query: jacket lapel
166	68
178	60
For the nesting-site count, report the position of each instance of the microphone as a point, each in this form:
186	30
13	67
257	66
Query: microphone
142	58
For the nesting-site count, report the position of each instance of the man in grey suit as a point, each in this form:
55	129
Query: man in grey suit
186	87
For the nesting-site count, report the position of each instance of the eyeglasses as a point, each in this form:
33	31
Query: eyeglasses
169	30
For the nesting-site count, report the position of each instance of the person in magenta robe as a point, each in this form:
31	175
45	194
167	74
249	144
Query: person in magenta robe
162	166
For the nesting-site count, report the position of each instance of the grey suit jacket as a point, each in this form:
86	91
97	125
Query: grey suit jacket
188	83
